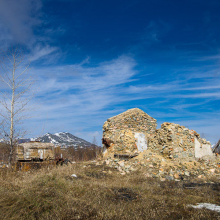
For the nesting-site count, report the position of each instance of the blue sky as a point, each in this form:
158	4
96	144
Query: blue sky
95	59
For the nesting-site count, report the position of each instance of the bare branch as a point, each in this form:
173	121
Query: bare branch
5	96
23	71
5	82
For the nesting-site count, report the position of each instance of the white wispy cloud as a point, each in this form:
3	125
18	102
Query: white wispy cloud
19	17
208	58
85	88
40	51
18	21
215	95
154	31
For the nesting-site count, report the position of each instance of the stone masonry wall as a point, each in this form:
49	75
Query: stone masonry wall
175	141
119	131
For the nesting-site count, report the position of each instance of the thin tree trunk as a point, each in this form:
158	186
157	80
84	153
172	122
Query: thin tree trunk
12	112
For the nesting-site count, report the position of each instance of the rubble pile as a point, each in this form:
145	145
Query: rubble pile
173	152
156	166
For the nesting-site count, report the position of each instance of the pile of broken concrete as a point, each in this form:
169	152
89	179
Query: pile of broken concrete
173	152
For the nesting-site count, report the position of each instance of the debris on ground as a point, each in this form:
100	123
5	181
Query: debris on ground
157	166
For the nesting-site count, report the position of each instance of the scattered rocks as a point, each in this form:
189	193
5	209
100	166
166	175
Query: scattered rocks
155	166
186	173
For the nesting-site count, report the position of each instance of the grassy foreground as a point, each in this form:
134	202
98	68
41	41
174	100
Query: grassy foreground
99	192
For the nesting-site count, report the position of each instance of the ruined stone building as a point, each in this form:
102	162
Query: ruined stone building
34	151
34	155
134	131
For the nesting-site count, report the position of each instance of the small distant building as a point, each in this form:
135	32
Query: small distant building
35	151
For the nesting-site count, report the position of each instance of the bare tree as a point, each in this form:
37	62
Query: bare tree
95	145
94	141
15	92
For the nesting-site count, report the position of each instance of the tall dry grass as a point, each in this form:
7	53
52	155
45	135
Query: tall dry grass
81	154
98	192
4	153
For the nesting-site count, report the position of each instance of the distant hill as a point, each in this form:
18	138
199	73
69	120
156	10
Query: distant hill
23	140
63	139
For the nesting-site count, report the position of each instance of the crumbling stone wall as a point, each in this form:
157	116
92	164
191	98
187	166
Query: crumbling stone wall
121	132
134	131
175	141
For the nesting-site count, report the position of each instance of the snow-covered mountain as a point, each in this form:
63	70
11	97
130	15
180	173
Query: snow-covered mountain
23	140
63	139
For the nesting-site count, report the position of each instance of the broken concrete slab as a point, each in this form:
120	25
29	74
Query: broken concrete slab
202	150
141	141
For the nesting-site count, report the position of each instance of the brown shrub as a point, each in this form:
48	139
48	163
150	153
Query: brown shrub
81	154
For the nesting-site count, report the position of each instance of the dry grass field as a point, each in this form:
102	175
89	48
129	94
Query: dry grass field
99	192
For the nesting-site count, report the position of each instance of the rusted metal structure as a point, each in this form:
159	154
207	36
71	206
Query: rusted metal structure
35	155
26	166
